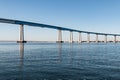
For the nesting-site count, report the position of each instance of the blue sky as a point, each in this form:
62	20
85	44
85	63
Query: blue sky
87	15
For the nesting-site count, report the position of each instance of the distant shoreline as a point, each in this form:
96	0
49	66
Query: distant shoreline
56	41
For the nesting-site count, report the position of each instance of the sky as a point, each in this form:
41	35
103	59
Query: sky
87	15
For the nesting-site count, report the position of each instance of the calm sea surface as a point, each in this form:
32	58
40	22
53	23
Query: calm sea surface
52	61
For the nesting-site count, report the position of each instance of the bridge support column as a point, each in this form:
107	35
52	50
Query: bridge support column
71	37
114	38
59	37
105	39
21	35
88	37
96	38
80	38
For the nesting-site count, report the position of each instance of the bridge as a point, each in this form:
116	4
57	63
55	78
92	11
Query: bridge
60	29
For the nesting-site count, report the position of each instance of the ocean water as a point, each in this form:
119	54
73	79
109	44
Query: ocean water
53	61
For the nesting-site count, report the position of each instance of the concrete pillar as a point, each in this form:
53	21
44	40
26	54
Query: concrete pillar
114	38
21	35
71	37
105	39
88	37
96	38
80	38
59	36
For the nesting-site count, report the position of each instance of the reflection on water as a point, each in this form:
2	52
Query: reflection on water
21	49
60	51
62	61
71	53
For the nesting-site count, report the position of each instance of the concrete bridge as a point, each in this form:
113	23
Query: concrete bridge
60	29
